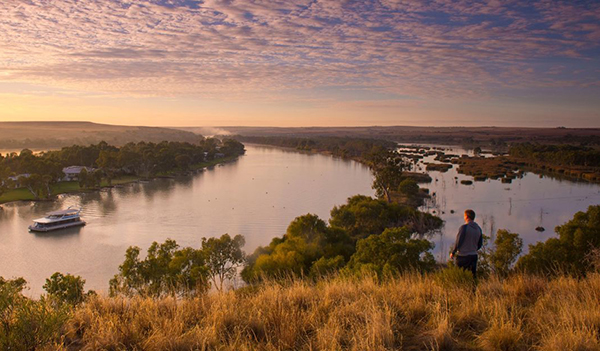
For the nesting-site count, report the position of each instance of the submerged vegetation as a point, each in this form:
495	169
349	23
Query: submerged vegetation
570	161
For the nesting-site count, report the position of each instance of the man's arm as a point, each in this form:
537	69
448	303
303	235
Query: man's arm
480	243
460	238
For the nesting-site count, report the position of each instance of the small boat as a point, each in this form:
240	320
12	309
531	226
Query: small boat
58	220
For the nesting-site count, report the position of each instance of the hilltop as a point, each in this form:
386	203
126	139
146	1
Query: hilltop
16	135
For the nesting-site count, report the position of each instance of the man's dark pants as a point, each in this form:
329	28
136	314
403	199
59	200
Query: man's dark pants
468	263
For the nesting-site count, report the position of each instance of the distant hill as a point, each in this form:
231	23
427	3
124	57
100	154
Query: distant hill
43	135
434	135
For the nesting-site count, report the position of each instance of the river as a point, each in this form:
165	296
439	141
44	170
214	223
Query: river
257	196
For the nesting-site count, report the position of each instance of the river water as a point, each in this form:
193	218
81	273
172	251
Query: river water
521	206
256	196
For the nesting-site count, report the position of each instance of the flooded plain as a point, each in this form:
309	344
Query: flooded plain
529	202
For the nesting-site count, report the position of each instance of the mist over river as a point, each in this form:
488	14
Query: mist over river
256	196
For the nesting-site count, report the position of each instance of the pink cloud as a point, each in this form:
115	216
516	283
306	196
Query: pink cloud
259	47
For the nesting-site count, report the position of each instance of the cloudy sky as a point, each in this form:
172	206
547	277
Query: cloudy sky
301	62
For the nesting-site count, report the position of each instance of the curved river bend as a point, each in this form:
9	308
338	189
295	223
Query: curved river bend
256	196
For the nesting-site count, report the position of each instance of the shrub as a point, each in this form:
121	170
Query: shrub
568	253
326	266
308	239
27	324
453	277
409	187
507	248
65	288
395	250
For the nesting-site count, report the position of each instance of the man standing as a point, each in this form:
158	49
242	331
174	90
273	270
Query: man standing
468	240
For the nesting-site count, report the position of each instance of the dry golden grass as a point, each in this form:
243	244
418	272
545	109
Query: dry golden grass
412	312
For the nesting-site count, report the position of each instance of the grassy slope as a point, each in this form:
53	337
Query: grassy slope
413	312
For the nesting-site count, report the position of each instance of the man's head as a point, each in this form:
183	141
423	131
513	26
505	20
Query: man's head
469	215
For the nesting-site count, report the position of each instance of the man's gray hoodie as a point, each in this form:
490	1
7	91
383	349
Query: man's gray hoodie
468	240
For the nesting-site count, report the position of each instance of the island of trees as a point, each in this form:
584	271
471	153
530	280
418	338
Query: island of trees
30	176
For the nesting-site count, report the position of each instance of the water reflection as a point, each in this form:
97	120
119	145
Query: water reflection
57	235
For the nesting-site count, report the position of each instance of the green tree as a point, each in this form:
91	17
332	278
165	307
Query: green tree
166	270
108	161
16	284
232	147
387	167
393	251
409	187
290	257
96	178
4	174
223	257
362	216
36	184
508	247
576	240
47	180
83	178
325	266
308	239
65	288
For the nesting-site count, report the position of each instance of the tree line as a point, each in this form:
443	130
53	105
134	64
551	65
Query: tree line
558	155
142	159
338	146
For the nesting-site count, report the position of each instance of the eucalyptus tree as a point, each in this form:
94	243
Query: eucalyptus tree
223	257
387	167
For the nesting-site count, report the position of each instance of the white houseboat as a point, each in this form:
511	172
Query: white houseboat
58	220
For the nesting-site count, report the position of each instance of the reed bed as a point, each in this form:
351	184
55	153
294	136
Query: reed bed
411	312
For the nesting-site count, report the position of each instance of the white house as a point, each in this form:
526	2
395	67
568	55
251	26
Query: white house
72	172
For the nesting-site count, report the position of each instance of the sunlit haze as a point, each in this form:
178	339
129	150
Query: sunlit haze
301	63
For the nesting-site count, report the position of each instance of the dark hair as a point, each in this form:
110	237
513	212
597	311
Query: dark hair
470	214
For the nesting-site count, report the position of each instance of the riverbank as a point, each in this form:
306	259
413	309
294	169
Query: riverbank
71	187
